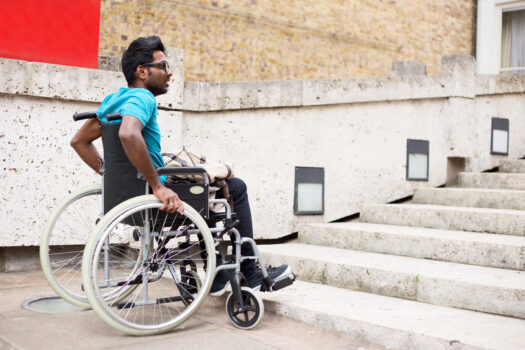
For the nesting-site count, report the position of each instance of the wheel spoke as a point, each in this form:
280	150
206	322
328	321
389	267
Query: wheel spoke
171	242
68	228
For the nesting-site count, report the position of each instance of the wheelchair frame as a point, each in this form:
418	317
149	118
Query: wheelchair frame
241	301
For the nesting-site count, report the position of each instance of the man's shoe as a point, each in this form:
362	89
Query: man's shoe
220	283
255	280
278	271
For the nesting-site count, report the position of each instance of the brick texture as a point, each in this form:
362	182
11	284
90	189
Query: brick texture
226	40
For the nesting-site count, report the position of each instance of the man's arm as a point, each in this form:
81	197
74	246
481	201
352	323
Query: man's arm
82	143
130	134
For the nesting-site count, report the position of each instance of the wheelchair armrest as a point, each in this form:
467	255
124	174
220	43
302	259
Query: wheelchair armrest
185	171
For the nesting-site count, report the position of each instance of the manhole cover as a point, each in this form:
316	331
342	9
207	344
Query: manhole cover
50	305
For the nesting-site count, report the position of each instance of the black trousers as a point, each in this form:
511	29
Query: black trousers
239	193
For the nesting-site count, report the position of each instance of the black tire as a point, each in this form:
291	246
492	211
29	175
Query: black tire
254	309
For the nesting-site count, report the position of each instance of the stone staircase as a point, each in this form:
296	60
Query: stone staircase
445	271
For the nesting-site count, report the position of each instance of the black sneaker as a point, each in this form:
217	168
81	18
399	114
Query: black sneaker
254	281
220	283
278	271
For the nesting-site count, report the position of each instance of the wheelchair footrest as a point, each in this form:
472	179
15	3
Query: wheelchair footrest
279	283
127	305
283	281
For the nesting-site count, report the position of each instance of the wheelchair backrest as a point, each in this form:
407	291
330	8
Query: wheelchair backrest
121	181
120	176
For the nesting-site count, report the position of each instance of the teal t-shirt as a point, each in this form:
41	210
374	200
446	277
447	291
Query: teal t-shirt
141	104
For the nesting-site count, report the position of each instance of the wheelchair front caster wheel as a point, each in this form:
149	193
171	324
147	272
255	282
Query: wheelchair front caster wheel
251	314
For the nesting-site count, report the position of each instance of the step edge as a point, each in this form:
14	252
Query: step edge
473	340
413	266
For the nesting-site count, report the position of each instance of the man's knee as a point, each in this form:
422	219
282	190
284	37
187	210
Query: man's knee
237	187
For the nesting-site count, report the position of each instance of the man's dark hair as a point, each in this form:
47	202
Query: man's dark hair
140	51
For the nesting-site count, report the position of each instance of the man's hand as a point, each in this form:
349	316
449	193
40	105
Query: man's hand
170	200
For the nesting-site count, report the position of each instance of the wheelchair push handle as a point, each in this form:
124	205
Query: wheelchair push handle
89	115
84	115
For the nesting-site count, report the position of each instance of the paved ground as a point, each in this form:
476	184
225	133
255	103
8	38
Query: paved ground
209	329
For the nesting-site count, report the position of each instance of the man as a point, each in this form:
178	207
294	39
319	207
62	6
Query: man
147	73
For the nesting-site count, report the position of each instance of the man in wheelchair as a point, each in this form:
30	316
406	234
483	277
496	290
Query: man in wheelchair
147	73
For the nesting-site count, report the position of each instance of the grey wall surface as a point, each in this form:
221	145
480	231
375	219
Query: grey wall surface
355	128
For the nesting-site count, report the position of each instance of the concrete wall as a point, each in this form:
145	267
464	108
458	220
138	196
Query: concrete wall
355	128
254	40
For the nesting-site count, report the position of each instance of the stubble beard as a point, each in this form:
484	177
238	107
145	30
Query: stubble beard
155	89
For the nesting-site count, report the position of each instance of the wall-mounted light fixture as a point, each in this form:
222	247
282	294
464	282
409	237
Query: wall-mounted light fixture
417	160
309	191
499	141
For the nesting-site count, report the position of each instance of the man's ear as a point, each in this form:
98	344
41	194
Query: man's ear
141	73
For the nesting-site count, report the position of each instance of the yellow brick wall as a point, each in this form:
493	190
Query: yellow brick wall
226	40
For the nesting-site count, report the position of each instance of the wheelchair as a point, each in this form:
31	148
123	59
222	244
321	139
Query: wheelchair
144	271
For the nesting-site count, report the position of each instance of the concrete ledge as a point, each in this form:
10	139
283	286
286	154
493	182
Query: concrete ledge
503	221
500	84
205	96
79	84
270	94
492	180
55	81
501	251
471	197
512	166
475	288
395	323
109	63
457	80
408	82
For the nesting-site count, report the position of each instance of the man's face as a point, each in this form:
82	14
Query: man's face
157	79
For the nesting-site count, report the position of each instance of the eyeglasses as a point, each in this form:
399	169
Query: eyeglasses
163	65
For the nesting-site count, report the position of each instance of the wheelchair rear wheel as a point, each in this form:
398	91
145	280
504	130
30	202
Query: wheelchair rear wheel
62	242
168	259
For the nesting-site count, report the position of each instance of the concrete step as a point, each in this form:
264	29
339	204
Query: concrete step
512	166
470	287
502	251
492	180
471	197
395	323
503	221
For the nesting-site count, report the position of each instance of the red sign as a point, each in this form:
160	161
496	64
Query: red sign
52	31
